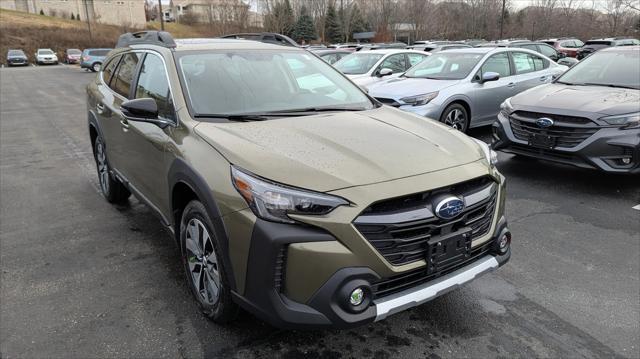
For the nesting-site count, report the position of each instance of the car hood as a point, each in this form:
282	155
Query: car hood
326	152
367	80
402	87
594	99
16	57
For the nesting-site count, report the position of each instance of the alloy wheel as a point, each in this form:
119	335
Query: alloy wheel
456	119
103	167
202	260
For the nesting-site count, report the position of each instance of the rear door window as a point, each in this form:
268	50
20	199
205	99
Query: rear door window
121	84
525	63
109	69
394	62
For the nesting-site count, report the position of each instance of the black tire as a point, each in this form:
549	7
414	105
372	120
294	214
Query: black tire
95	67
112	189
456	116
220	309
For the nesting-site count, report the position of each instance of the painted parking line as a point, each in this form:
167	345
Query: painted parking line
636	207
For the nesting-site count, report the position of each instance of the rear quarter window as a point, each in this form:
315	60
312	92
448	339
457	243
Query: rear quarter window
109	69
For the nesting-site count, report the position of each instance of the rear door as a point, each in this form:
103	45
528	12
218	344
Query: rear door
145	143
103	108
531	70
120	86
488	96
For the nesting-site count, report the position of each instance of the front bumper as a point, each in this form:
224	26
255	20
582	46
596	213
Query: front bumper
604	150
17	62
48	61
287	261
430	110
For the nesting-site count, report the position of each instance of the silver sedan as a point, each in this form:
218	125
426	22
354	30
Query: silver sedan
464	88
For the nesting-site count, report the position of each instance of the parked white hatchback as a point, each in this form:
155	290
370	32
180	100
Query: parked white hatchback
367	67
46	56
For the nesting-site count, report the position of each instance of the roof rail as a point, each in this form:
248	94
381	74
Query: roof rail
160	38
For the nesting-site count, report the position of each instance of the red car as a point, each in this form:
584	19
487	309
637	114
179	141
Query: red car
567	45
71	56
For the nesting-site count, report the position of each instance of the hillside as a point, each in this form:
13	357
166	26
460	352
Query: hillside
19	30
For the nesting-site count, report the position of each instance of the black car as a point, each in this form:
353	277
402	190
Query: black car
17	58
589	117
594	45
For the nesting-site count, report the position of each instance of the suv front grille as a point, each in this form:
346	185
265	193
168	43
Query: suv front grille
419	276
400	228
562	132
388	101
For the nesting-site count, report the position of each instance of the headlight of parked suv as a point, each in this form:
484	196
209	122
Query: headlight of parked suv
274	202
630	120
490	155
420	100
506	108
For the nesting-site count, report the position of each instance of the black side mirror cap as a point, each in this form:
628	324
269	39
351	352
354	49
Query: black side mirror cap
140	109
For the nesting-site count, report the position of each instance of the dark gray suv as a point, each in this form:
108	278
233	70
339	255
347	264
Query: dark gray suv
589	117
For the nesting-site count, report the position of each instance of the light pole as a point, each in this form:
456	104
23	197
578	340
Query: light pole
161	15
86	11
502	19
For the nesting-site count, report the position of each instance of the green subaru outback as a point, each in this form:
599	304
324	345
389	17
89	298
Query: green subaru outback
290	191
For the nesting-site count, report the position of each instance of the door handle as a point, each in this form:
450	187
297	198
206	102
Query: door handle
100	108
124	123
543	78
511	84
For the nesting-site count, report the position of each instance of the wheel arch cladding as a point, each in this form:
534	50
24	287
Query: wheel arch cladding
185	181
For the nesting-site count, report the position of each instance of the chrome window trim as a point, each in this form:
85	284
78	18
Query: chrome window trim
166	74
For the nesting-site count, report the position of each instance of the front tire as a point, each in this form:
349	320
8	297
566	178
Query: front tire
456	116
112	189
96	67
203	267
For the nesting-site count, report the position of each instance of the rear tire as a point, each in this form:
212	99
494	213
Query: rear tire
112	189
96	66
456	116
205	272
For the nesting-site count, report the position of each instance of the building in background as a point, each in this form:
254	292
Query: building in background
114	12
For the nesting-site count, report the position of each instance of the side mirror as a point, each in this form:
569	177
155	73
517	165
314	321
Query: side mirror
385	72
143	110
489	76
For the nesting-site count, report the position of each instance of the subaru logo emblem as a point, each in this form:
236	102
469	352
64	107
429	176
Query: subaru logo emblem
449	207
544	122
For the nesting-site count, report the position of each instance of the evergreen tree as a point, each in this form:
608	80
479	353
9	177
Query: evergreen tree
304	28
332	27
41	12
358	23
73	16
281	19
78	17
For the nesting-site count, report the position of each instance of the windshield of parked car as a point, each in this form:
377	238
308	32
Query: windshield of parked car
357	64
16	53
237	82
608	68
74	52
45	52
445	66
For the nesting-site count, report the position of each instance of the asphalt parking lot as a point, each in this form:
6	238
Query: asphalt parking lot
81	278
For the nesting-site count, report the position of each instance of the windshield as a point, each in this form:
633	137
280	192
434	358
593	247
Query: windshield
45	52
615	69
73	52
445	66
16	53
236	82
357	64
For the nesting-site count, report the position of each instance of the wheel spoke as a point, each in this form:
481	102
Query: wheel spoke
211	287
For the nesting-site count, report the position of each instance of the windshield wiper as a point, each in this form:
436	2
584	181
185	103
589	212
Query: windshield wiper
298	111
262	116
240	118
609	85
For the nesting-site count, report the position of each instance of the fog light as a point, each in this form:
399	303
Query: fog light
626	160
503	243
356	297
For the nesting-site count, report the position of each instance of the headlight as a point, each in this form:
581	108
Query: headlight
420	100
490	155
630	120
506	108
274	202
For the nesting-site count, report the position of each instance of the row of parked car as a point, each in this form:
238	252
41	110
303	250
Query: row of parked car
466	87
90	59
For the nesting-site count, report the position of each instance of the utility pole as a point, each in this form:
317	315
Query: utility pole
161	15
86	11
502	19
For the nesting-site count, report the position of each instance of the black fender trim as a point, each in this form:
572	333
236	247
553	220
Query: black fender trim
181	172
